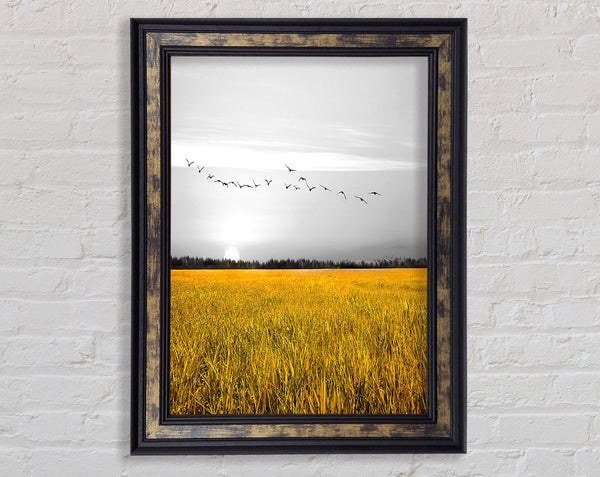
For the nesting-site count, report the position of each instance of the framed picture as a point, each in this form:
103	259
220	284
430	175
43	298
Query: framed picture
298	235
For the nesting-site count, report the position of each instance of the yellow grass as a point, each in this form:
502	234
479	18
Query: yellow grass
298	341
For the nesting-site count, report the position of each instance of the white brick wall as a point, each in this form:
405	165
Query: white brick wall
533	240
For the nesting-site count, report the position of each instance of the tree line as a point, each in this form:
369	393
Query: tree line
187	262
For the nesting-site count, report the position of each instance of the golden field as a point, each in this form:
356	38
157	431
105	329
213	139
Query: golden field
298	341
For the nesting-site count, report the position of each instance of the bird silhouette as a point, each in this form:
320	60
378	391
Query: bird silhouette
255	184
200	169
325	188
310	189
189	163
244	185
268	181
231	182
342	192
289	168
374	193
296	187
210	176
302	179
361	199
287	186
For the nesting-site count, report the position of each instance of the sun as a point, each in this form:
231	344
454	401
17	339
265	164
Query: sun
232	254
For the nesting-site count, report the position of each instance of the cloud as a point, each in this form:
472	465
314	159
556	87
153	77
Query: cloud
256	157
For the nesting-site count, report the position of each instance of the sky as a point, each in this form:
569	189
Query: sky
351	124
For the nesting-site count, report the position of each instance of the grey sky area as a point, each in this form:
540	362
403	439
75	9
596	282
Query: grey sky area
357	125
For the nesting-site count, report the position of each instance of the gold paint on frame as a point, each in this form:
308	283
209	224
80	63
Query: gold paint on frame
154	42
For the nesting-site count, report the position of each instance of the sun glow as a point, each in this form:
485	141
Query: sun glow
232	254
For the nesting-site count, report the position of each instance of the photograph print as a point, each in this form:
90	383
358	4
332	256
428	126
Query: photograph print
298	235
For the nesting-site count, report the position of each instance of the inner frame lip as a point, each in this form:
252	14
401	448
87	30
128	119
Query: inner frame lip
166	52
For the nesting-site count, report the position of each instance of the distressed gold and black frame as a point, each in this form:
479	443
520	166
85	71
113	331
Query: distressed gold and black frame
442	429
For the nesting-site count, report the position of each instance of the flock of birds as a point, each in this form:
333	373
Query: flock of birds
268	182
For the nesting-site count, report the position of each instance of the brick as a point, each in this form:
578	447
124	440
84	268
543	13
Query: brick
556	242
486	14
89	16
540	18
106	207
480	133
560	167
479	314
519	312
87	168
38	16
573	313
48	393
549	206
63	245
593	129
535	351
32	282
486	279
47	243
39	51
235	465
527	53
34	127
33	317
538	461
505	392
543	129
100	89
586	50
480	429
113	350
99	282
187	466
70	462
478	462
47	352
543	429
499	172
16	169
54	86
54	208
505	242
591	242
586	460
567	89
553	391
94	127
98	50
580	389
107	242
16	461
500	93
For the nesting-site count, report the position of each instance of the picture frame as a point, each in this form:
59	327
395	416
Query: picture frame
442	43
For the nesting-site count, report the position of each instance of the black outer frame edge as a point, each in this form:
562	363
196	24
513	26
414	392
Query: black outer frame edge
458	246
307	25
304	446
457	443
135	215
138	236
